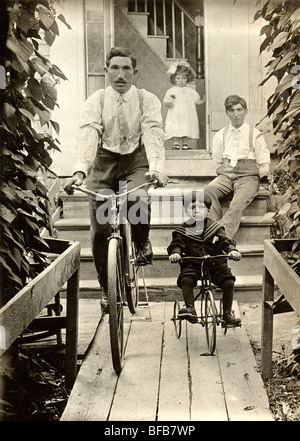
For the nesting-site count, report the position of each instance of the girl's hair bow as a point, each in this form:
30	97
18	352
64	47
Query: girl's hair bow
172	69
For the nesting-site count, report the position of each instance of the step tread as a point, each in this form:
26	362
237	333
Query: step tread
84	223
79	196
251	282
86	253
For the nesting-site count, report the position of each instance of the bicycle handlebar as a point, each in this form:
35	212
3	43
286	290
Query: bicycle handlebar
118	196
206	257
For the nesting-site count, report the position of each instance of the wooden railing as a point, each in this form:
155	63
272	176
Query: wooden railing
170	19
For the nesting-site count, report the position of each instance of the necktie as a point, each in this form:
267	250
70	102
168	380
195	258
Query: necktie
123	127
235	148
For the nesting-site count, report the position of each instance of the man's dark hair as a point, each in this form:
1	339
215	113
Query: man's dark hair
233	100
120	52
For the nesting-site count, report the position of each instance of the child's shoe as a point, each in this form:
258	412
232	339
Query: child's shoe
186	147
175	147
230	319
188	312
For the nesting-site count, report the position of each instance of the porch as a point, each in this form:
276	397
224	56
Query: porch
168	379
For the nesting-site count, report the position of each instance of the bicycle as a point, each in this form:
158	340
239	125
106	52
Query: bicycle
210	315
122	273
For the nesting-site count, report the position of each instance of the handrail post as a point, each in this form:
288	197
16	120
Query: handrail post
199	23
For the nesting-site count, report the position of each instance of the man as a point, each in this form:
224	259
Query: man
243	159
120	141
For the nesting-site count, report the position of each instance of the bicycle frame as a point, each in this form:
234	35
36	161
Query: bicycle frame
122	277
209	316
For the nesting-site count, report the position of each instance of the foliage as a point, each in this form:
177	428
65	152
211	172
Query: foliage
26	138
282	39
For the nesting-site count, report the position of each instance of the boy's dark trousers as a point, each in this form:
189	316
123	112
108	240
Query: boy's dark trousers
188	283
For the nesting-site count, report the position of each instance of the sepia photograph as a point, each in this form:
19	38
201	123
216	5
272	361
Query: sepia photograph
150	213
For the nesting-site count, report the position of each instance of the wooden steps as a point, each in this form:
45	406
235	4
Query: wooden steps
162	275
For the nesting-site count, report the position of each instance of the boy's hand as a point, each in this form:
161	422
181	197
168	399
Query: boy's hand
235	255
175	257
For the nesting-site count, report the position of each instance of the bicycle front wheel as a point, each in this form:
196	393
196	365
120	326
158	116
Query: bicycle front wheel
176	320
115	288
210	320
131	276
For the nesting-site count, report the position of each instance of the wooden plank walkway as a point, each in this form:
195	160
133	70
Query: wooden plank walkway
168	379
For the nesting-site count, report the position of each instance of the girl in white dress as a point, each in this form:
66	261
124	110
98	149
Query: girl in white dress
182	119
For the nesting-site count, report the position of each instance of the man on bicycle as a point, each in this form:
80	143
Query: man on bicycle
208	239
121	140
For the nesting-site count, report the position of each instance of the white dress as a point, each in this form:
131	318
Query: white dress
182	118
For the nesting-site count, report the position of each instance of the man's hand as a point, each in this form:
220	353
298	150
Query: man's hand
264	182
76	179
174	258
156	176
235	255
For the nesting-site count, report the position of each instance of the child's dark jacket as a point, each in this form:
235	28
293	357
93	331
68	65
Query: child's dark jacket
190	242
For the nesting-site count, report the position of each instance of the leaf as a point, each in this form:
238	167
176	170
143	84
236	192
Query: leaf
54	28
62	18
283	211
27	114
279	40
285	83
49	37
55	125
268	216
295	167
295	20
285	60
296	246
45	20
265	44
35	89
7	214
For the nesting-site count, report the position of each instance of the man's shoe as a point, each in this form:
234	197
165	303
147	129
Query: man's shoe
230	320
144	253
188	313
104	302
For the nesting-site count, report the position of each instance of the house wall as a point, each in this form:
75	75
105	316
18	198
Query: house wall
232	61
232	66
68	53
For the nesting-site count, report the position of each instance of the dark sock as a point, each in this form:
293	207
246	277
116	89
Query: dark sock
227	288
187	286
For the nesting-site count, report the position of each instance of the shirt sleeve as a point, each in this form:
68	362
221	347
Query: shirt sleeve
217	148
262	154
152	132
90	130
177	244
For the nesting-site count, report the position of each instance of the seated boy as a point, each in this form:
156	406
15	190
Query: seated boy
209	239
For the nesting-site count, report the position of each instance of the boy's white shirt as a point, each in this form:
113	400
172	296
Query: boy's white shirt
261	155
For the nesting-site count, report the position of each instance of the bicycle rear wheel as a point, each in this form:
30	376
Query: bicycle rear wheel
131	275
115	288
210	320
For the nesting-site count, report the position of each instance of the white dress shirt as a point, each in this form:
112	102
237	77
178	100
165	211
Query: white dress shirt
243	151
101	125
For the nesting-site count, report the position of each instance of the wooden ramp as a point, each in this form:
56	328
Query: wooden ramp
168	379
